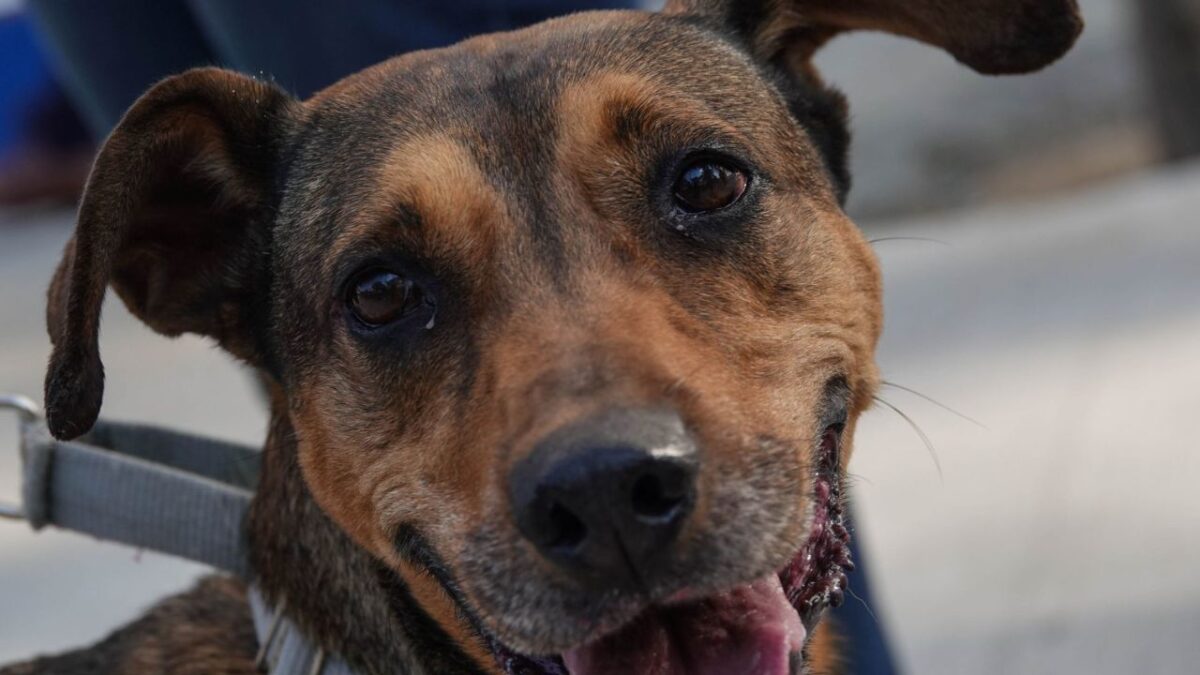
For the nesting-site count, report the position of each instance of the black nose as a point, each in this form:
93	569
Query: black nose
605	498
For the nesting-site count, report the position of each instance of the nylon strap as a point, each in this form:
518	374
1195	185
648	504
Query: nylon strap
144	487
285	650
174	493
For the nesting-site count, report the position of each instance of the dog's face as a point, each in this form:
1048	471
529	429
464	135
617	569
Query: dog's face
557	278
571	326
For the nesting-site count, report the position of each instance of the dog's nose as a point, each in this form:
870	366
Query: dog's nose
605	498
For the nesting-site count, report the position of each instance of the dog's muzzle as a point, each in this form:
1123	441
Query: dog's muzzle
604	499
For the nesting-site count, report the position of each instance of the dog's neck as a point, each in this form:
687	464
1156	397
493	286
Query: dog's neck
345	600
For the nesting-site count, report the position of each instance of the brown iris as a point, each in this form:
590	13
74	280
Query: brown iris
709	185
379	297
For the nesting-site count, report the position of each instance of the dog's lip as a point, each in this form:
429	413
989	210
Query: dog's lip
813	580
813	591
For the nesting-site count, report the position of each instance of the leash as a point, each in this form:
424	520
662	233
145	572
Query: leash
161	490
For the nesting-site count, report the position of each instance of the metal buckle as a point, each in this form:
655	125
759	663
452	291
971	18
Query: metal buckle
27	413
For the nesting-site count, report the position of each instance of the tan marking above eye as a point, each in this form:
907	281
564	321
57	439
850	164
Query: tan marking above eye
593	111
461	215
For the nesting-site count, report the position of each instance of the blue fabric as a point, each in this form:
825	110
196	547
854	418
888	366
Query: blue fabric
110	51
857	620
24	77
305	47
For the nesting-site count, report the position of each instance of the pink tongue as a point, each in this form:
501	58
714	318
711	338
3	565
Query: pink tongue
751	630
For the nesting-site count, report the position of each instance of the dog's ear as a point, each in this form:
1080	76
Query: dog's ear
991	36
176	216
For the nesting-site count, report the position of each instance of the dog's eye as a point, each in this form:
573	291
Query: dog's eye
708	185
379	297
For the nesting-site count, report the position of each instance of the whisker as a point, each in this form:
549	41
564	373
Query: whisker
674	387
856	478
927	240
939	404
678	383
924	437
870	612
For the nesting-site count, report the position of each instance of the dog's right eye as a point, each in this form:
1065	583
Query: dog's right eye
379	297
709	185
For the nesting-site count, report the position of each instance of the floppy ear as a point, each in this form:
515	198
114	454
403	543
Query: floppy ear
176	216
994	37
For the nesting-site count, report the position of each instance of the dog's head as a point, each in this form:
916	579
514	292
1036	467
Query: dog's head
568	320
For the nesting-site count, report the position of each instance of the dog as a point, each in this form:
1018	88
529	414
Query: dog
565	334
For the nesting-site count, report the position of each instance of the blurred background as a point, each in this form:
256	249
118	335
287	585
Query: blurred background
1040	240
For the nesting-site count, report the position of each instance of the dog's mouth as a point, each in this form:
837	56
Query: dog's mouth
758	628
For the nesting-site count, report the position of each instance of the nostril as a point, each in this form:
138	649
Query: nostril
606	498
566	531
657	499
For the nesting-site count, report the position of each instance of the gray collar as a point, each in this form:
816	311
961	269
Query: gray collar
164	491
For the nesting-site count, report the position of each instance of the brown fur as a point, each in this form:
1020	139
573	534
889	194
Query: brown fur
991	36
824	654
518	179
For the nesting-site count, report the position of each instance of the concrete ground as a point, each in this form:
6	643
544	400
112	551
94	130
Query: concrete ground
1058	537
1062	536
931	135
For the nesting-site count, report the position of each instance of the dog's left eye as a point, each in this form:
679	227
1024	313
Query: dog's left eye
379	297
709	185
